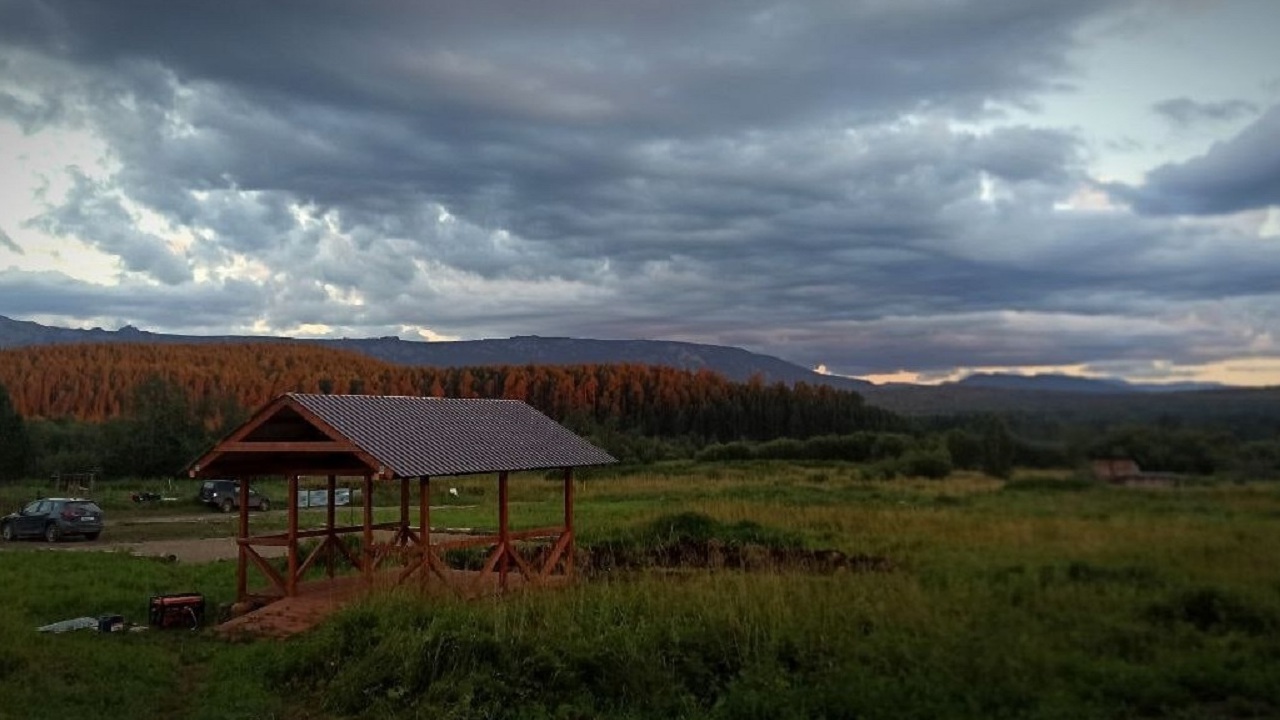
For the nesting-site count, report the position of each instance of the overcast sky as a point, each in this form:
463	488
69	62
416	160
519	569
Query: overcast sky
891	188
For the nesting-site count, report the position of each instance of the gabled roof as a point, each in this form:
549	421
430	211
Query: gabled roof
396	436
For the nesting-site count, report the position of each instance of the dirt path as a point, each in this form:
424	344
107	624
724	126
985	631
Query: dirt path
184	550
189	550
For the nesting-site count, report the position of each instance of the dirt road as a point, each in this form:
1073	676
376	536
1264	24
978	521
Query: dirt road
184	550
191	550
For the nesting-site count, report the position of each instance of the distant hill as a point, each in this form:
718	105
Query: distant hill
1070	383
1256	406
731	362
1067	398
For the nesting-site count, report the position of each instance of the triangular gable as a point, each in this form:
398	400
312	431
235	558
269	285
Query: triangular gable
395	436
283	434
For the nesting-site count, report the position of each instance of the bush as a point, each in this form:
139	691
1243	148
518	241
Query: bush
782	449
932	463
721	452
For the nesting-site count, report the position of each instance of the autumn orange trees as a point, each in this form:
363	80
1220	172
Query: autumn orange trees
95	382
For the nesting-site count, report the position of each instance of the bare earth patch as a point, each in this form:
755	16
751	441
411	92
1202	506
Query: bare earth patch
189	550
194	550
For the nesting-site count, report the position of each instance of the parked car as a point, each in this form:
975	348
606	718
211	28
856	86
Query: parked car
54	519
225	495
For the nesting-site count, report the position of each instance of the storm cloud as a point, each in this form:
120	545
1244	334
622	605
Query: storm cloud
829	182
1242	173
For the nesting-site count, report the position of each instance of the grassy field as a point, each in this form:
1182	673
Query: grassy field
1043	597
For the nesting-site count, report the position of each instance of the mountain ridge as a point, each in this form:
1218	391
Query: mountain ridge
991	392
1057	382
732	362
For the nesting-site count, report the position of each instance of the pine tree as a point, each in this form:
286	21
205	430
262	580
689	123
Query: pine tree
15	445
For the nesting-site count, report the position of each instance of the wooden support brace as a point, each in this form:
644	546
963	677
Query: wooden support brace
439	567
411	567
522	566
554	556
489	564
265	567
325	548
346	552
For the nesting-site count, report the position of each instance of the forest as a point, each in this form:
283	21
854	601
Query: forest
147	409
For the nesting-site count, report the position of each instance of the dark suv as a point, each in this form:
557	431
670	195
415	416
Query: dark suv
54	519
225	495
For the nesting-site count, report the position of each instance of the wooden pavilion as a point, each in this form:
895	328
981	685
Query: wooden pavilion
408	440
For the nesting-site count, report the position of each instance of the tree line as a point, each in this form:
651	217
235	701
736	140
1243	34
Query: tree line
146	410
97	382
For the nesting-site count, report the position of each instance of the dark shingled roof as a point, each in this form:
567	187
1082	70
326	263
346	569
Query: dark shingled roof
417	436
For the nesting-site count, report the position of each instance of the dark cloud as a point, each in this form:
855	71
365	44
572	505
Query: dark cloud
8	243
94	216
1184	111
1242	173
205	308
790	177
660	64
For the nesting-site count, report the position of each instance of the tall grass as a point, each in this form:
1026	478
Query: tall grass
1040	600
1045	598
1056	641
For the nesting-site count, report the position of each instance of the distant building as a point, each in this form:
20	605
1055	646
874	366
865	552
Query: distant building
1125	471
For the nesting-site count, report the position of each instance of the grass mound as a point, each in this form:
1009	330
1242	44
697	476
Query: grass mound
694	540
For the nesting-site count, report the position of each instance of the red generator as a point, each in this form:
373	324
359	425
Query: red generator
183	611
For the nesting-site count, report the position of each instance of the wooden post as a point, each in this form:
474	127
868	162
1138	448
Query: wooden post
568	521
402	537
291	581
504	532
367	554
242	534
424	522
329	516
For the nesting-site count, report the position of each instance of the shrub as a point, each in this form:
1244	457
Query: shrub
933	463
720	452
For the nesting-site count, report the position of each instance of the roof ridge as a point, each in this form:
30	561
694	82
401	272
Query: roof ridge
405	397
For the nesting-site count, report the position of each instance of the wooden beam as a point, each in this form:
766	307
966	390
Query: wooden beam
412	566
283	537
403	533
291	586
324	548
196	468
366	552
231	467
329	514
504	530
266	568
282	446
547	532
529	575
479	581
568	521
557	551
424	523
439	567
242	532
477	541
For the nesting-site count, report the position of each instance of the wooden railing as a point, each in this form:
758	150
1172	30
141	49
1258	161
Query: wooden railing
405	548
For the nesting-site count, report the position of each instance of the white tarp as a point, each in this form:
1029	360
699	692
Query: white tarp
320	498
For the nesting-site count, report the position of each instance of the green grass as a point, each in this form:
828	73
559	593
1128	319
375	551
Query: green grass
1044	597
